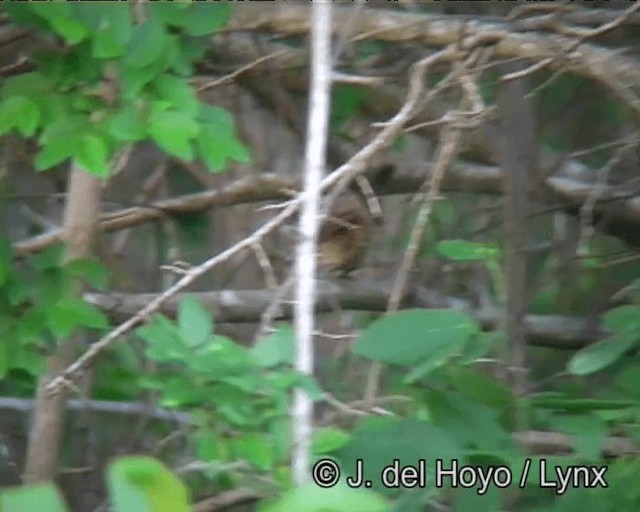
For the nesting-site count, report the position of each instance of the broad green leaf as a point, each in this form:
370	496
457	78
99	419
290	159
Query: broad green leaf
194	321
206	444
622	318
341	498
481	388
377	441
216	117
164	342
628	379
603	353
31	85
30	498
55	151
202	19
69	313
144	484
462	250
451	411
220	358
173	132
178	93
113	32
181	392
416	337
327	440
69	29
91	270
20	112
255	448
587	433
147	44
126	125
276	348
216	148
92	154
50	258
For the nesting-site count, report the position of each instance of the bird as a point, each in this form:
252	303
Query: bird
344	235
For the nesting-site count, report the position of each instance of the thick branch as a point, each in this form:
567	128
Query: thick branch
237	306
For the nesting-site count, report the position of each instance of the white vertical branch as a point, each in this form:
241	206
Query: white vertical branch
317	127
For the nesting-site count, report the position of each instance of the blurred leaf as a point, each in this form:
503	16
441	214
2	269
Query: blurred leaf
147	44
126	125
178	93
461	250
143	484
173	131
113	31
194	321
202	19
69	313
275	349
416	337
29	498
341	498
603	353
622	318
6	259
91	270
327	440
164	342
19	112
92	154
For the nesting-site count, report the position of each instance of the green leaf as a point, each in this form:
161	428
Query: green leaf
20	112
178	93
173	132
144	484
55	151
70	312
126	125
92	154
275	349
377	441
255	448
50	258
347	99
605	352
327	440
206	444
6	259
202	19
622	318
461	250
215	148
220	358
69	29
340	498
112	33
481	388
147	44
12	111
416	337
194	321
164	342
29	498
91	270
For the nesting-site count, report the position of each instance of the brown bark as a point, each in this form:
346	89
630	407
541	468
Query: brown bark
80	226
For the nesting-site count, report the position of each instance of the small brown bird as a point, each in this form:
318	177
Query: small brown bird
344	235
